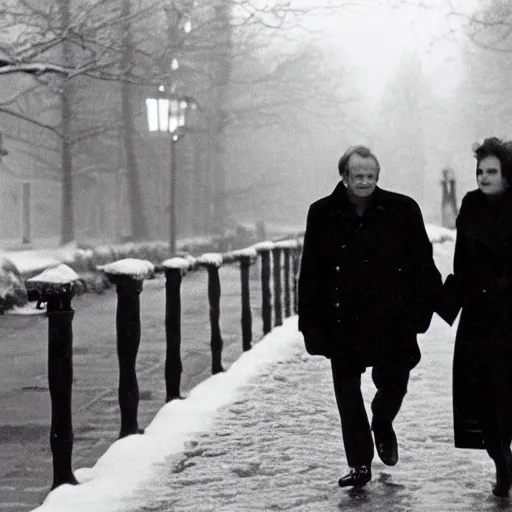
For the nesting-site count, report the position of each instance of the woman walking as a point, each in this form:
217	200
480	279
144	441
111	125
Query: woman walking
481	284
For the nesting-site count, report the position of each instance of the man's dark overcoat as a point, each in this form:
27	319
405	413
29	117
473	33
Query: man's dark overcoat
482	286
366	284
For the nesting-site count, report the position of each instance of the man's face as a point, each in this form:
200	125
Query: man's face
361	176
489	177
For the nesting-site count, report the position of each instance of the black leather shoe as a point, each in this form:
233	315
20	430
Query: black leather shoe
356	477
386	444
508	457
502	486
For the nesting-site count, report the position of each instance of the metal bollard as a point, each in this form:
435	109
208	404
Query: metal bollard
287	294
56	287
128	276
266	294
296	265
173	364
216	343
278	308
245	264
128	341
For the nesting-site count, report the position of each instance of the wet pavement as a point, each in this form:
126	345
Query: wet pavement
279	447
26	463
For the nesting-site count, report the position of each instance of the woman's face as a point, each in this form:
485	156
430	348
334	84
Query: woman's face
489	178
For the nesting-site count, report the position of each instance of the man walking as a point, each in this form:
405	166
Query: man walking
367	286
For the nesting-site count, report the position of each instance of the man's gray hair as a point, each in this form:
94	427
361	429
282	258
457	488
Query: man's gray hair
363	151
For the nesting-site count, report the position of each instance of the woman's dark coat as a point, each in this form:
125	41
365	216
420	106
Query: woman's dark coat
366	284
482	286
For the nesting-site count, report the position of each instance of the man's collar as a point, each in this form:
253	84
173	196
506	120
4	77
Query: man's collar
342	201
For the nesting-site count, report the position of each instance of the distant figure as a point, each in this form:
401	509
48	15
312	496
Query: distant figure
449	201
481	284
366	287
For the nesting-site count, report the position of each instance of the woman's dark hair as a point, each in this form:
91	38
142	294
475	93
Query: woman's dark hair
355	150
502	150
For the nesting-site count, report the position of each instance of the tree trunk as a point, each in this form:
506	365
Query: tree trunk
67	207
138	217
67	210
222	75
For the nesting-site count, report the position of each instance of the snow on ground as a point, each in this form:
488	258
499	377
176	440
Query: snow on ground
38	260
31	261
252	384
12	287
439	234
130	462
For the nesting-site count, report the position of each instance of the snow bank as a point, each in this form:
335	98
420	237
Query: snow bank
130	462
438	234
12	289
30	262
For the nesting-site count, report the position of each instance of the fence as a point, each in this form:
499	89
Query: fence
279	264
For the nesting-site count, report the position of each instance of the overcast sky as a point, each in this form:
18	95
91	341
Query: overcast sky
374	39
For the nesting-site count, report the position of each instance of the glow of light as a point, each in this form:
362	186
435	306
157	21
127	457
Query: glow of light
163	114
161	88
174	64
181	114
152	108
174	116
188	26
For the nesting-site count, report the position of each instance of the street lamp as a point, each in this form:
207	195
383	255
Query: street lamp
168	113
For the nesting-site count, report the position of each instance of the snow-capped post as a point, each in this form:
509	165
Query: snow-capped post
56	287
246	257
245	264
287	296
296	266
128	275
212	262
174	268
278	305
264	248
288	247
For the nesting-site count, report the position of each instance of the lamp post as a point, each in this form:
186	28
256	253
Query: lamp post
169	113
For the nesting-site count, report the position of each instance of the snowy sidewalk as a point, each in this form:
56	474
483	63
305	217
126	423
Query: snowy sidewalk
265	435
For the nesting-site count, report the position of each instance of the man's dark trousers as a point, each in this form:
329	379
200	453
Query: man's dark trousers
391	382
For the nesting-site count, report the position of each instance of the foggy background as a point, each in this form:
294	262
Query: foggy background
282	88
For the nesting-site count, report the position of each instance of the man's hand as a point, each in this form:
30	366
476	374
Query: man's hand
317	342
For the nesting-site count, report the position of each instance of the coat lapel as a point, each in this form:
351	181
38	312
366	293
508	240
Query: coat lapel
480	224
504	224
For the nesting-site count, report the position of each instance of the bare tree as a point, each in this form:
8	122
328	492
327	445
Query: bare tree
70	47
